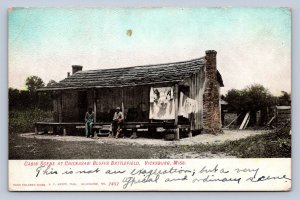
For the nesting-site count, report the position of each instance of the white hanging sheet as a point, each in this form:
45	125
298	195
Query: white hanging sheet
186	106
162	105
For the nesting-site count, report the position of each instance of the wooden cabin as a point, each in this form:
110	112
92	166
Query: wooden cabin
130	88
283	116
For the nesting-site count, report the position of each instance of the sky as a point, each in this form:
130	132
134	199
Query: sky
253	44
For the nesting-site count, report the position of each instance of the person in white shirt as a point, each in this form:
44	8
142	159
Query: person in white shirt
117	122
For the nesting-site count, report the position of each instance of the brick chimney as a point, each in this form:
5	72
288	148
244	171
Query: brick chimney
76	68
211	96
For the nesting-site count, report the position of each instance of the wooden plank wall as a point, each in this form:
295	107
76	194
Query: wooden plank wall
136	103
90	98
196	83
70	111
283	116
107	100
55	108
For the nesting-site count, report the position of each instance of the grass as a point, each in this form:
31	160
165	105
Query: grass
30	148
23	120
275	144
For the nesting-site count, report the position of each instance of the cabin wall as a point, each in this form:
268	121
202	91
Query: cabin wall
55	107
107	100
70	110
196	84
71	105
90	99
135	99
136	103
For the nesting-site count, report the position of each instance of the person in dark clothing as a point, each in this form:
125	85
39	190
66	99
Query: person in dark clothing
89	122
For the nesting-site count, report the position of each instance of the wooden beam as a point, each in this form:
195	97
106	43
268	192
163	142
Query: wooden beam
95	105
176	95
271	120
233	121
245	120
190	133
177	134
176	104
192	119
64	131
60	108
122	106
36	129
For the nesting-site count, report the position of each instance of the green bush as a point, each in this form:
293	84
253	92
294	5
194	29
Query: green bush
21	121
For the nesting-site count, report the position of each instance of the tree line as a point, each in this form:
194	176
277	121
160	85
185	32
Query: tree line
255	98
30	98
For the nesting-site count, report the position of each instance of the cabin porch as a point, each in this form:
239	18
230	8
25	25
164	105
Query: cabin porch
67	128
70	106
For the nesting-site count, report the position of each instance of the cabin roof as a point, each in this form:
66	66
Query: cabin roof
132	76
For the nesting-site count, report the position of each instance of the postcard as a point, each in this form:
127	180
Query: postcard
149	99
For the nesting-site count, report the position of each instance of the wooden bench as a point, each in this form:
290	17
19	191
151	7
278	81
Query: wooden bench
65	125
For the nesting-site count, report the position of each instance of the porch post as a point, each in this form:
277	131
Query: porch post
95	105
36	128
60	107
64	131
123	101
192	118
176	112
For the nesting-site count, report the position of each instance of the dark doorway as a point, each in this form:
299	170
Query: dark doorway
82	105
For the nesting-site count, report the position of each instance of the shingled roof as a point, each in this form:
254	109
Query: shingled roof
131	76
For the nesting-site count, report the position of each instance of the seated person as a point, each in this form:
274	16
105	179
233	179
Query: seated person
89	122
117	122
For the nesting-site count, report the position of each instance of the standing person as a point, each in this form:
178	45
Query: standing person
117	122
89	122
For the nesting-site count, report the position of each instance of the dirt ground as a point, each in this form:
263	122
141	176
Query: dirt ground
228	135
31	146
